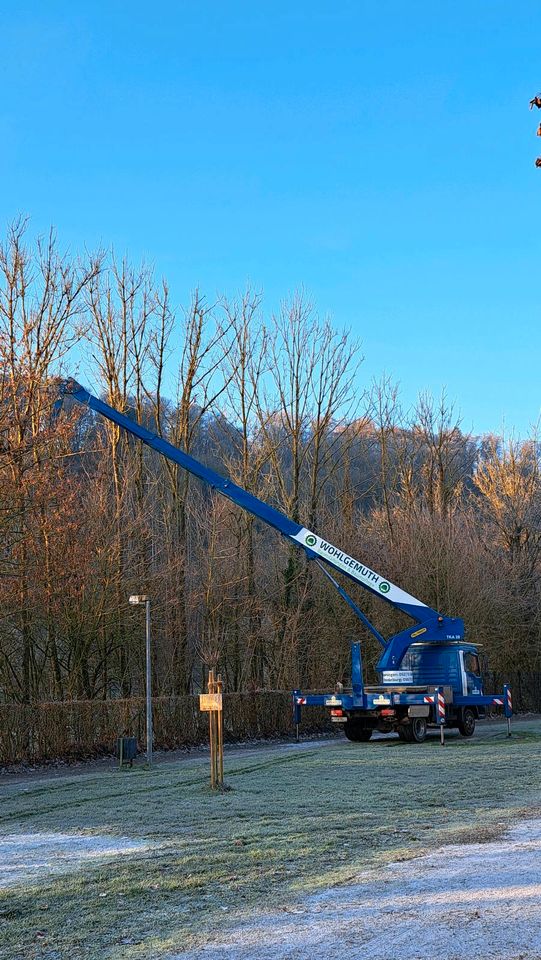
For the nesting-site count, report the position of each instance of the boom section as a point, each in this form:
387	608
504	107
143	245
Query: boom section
314	545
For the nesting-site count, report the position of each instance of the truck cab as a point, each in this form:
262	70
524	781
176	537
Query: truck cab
456	665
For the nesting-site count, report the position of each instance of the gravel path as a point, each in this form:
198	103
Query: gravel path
475	900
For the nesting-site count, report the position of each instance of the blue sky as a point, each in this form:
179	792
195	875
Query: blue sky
380	154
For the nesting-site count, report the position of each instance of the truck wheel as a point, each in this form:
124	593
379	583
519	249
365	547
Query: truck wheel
466	722
414	731
357	732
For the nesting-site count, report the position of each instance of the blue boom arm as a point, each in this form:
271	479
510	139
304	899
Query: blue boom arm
315	546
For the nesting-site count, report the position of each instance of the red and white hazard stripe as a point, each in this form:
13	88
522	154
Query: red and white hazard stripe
497	701
509	700
440	706
428	699
301	701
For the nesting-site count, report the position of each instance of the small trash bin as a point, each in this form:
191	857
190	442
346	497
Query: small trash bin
126	750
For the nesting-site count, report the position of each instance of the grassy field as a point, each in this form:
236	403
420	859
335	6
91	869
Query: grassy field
297	819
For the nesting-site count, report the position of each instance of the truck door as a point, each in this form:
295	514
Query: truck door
472	683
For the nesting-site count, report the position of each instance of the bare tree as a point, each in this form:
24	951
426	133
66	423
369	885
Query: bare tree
123	308
309	400
199	385
41	318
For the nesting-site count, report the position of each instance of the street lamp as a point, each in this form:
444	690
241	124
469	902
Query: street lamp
136	600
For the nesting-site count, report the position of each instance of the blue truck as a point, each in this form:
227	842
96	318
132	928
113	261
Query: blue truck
428	674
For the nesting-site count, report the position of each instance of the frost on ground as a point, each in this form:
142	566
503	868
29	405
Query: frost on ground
481	900
29	857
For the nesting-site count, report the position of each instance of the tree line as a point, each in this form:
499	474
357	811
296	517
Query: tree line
88	516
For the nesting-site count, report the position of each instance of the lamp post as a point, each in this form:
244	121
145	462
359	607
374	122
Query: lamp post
136	600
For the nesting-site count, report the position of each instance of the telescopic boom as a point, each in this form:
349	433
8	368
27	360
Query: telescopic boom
316	547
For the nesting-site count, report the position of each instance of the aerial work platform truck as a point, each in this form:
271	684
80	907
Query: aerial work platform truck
429	675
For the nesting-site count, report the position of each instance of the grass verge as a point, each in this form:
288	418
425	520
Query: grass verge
296	820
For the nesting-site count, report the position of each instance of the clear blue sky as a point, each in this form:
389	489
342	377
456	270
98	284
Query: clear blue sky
380	154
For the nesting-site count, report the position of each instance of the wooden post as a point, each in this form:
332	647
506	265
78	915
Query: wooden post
220	734
212	732
211	702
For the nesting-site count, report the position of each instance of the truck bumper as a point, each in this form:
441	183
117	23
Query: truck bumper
413	704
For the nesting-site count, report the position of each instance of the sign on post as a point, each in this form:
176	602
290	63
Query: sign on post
211	703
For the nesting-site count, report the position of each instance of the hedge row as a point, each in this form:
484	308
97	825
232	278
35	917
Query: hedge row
35	733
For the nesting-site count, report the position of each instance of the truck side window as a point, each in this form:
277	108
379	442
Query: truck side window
471	663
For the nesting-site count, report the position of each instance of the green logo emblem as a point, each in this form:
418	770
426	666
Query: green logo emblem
384	587
310	540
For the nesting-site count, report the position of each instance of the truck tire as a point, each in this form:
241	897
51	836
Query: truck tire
466	722
356	732
414	731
